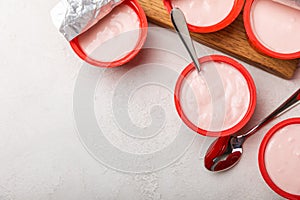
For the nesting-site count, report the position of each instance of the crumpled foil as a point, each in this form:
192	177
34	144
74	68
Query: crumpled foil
73	17
291	3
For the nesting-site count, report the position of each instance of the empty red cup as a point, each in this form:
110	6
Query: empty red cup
219	23
279	158
132	6
241	86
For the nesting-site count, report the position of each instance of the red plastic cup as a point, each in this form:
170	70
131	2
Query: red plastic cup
125	59
251	87
256	43
261	158
235	11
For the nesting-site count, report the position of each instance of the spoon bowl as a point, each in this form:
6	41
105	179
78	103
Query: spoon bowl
225	152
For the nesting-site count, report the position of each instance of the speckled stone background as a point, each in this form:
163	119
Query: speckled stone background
41	154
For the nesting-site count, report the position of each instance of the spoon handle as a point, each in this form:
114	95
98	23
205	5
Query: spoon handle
286	106
181	28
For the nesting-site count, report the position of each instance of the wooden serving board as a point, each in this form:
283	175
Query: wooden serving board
232	40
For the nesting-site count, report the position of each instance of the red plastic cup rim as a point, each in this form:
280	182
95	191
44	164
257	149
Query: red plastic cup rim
235	11
256	43
251	86
261	157
142	38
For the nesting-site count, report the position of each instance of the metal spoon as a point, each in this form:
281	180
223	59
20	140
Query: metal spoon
225	152
181	28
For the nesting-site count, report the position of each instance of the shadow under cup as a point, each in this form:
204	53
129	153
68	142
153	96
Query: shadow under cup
219	101
114	40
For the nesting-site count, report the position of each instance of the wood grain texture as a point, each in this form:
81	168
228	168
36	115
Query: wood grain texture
232	40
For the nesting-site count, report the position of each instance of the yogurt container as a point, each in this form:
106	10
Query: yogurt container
206	16
273	28
115	39
279	158
219	110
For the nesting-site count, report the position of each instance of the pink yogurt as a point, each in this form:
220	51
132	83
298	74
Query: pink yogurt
282	158
197	104
112	37
204	12
276	26
291	3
